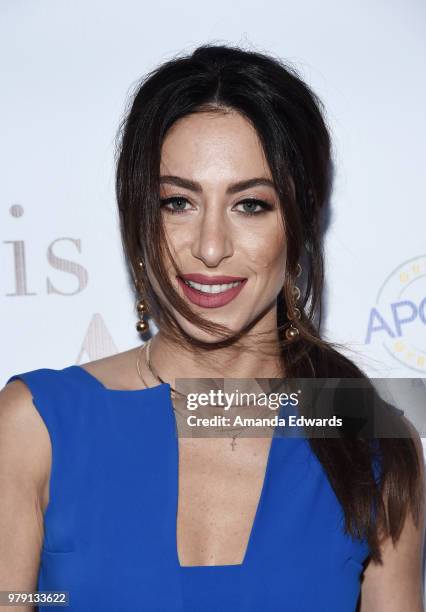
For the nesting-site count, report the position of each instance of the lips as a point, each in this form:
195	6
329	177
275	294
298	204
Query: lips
211	300
211	280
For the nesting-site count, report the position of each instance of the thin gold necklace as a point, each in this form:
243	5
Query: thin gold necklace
151	368
154	373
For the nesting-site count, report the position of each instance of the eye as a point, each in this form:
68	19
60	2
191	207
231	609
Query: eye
252	203
175	200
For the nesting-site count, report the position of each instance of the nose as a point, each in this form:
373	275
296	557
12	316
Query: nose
212	240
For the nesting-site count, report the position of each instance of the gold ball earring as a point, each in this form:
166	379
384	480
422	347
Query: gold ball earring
294	314
142	326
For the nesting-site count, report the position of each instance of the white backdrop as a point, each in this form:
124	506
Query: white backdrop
67	69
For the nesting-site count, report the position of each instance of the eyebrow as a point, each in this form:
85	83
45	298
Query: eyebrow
234	188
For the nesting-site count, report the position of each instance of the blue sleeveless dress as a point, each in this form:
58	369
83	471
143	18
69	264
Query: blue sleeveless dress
110	525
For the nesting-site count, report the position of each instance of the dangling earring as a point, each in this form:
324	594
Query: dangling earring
292	331
142	326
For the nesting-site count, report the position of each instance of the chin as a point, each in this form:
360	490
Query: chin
204	336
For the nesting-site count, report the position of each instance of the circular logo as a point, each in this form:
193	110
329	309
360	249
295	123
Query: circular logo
398	318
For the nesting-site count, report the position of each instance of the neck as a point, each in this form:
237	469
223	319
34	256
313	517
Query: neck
172	360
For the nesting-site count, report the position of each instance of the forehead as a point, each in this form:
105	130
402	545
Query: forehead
210	145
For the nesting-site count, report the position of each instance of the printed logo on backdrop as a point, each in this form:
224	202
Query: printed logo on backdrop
398	319
19	263
97	341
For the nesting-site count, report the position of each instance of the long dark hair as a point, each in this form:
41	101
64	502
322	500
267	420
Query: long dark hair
290	122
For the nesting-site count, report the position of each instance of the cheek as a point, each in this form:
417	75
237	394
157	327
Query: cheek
177	236
268	254
266	246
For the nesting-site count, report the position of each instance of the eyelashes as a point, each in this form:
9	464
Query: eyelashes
253	202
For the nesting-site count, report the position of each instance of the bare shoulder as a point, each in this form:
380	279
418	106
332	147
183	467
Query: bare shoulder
25	463
116	371
20	421
25	447
397	583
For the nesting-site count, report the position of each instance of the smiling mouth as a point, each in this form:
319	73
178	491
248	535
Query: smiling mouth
212	289
208	295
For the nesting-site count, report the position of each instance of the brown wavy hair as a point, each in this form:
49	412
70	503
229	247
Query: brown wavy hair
290	121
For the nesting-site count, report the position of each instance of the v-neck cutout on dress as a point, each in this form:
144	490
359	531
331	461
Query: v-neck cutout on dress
176	454
254	525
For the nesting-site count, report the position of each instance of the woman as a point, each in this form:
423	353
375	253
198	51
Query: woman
223	170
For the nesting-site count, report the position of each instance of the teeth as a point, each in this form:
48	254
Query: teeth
212	288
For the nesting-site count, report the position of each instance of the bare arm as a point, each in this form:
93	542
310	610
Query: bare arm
397	585
25	461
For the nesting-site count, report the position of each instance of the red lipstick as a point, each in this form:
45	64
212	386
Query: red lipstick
206	299
212	280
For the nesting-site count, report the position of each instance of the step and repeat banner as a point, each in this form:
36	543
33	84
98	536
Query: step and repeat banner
67	72
68	69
